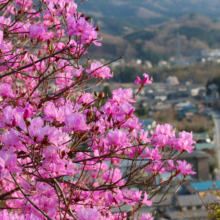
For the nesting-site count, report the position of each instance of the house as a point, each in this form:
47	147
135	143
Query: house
203	187
205	146
160	106
148	64
162	64
189	207
138	62
188	110
149	124
177	95
172	81
181	105
201	138
195	89
162	96
200	164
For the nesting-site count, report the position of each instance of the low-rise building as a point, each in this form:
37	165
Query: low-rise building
200	164
189	207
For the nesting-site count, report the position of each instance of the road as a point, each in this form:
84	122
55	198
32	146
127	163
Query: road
216	119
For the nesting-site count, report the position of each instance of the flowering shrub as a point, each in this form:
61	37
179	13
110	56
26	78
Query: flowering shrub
61	150
212	206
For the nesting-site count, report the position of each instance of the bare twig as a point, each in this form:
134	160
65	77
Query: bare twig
42	212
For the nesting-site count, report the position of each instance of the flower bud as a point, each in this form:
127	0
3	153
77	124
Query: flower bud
97	29
39	52
28	111
87	18
101	95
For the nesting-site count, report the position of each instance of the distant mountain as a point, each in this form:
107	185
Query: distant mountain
148	29
196	32
114	14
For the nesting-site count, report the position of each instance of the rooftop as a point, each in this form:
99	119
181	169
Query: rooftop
194	154
194	200
204	186
202	146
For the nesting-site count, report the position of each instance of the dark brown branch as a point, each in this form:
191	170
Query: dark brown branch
2	196
42	212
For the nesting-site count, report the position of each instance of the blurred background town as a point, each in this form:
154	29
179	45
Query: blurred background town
178	44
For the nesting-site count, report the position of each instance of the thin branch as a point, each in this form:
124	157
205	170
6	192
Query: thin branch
2	196
42	212
64	198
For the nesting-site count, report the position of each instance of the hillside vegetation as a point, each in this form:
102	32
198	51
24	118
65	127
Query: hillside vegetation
197	73
148	29
159	41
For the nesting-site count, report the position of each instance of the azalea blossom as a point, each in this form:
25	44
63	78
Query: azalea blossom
98	70
184	168
145	81
67	150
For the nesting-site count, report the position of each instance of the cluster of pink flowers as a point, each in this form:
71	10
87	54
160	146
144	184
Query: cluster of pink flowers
62	152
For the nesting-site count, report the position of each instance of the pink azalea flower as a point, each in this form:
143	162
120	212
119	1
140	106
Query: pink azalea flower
30	217
76	122
88	214
113	176
51	156
131	197
186	135
77	72
97	70
71	8
143	136
82	26
183	145
146	217
28	111
117	138
12	116
11	140
52	113
110	199
145	81
156	167
86	98
56	136
132	123
109	109
71	168
184	168
92	36
8	163
4	21
126	109
145	201
38	31
64	79
138	80
2	45
6	91
162	135
48	205
14	216
171	166
120	96
152	154
5	215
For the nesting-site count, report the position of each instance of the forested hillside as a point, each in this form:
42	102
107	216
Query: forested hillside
159	41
